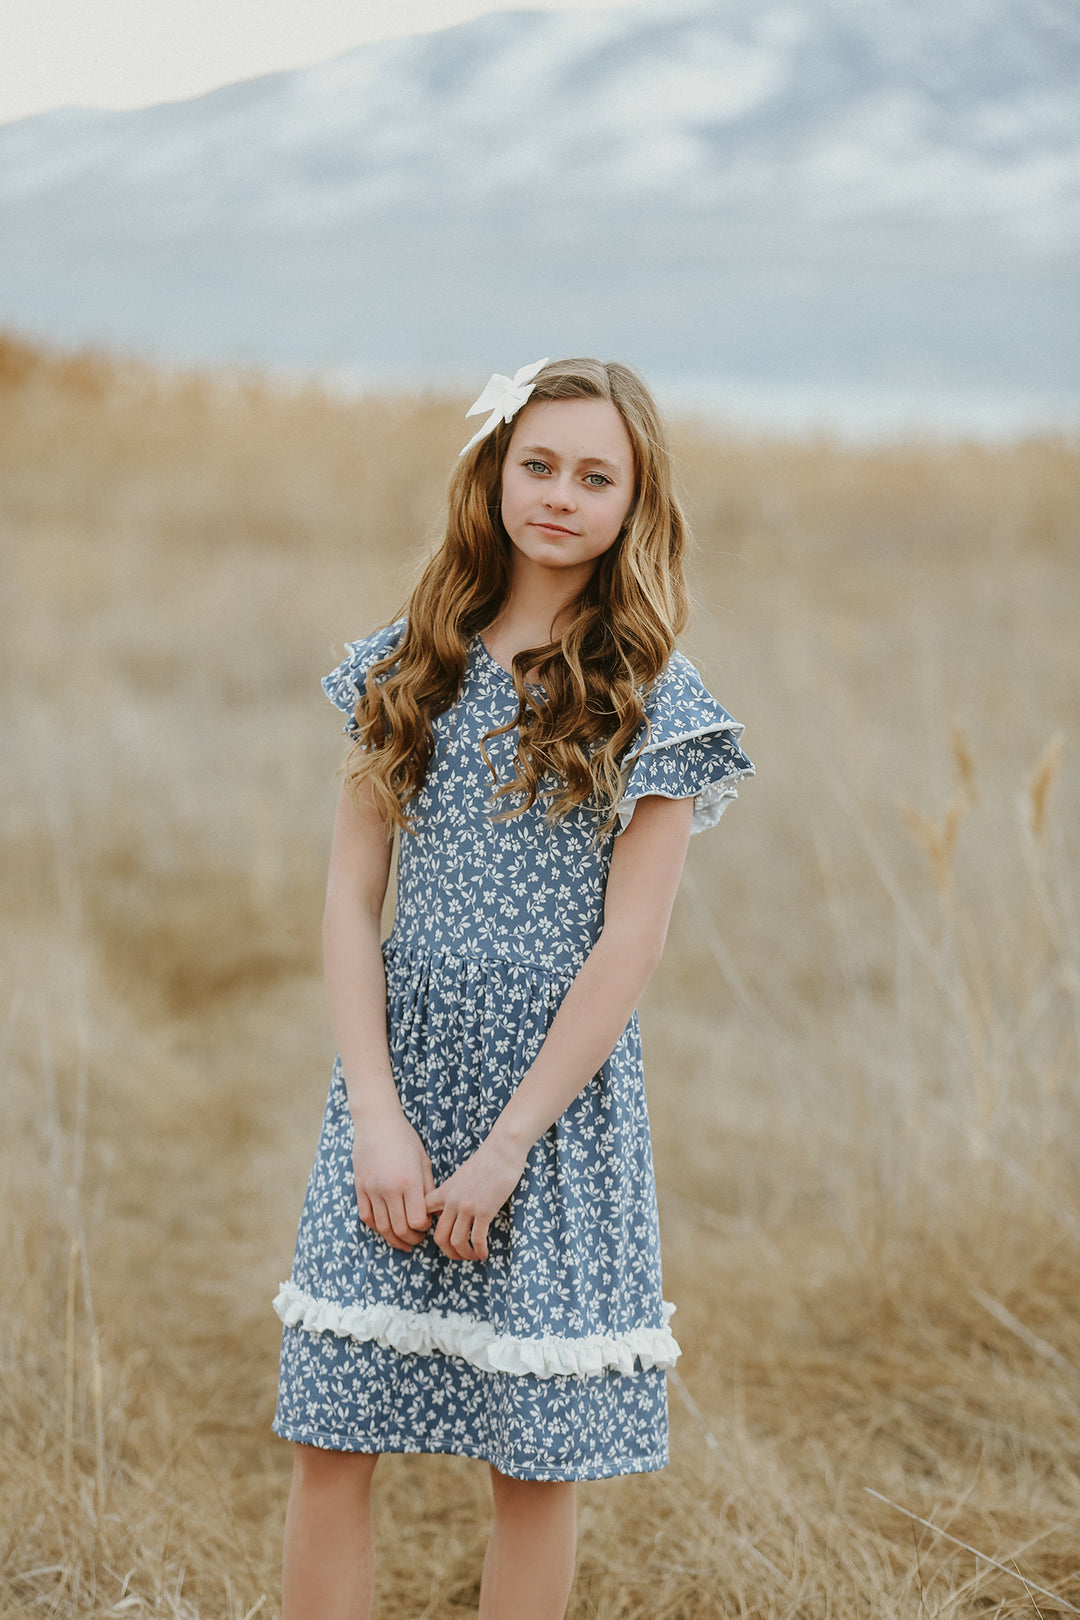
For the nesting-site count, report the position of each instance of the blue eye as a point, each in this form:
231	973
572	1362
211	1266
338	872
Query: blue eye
534	466
600	477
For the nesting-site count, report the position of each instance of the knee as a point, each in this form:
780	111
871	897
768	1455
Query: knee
318	1470
531	1496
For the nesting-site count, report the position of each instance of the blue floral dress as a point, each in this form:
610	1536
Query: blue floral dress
548	1358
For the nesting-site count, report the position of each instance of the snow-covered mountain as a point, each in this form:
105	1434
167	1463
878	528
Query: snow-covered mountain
775	190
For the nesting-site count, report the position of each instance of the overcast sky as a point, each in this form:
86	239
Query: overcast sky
131	53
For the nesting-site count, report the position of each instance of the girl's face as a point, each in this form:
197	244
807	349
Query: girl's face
567	485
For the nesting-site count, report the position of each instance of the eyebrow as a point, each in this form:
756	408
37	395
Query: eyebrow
586	461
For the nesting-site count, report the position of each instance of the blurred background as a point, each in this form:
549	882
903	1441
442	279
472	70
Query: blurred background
241	317
788	212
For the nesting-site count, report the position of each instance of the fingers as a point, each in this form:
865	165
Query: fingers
415	1211
461	1235
392	1173
405	1219
461	1231
380	1220
390	1220
479	1237
444	1236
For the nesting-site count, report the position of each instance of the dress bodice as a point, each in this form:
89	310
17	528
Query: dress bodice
471	883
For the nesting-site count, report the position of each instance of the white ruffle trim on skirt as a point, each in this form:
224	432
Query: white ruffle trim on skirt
427	1334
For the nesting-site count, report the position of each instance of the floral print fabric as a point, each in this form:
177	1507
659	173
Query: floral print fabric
548	1358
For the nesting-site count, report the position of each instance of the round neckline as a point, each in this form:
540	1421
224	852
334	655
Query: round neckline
507	674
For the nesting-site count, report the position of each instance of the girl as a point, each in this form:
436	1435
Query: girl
477	1268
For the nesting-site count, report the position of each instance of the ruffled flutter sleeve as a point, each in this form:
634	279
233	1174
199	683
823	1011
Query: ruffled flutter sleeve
689	750
345	685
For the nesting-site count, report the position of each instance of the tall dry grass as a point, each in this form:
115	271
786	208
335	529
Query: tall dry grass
862	1042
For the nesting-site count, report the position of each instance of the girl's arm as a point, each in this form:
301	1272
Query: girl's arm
391	1166
646	864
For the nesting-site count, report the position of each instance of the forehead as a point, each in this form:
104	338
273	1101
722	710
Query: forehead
576	429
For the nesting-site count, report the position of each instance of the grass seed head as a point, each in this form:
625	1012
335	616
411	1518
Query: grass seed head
1040	783
938	838
964	761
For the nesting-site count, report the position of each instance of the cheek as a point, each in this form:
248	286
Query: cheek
620	511
605	535
511	492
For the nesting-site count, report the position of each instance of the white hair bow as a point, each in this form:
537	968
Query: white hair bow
503	397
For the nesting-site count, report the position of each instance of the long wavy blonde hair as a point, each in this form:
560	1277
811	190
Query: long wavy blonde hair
573	735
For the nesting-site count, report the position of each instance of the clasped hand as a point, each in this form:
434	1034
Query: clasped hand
397	1195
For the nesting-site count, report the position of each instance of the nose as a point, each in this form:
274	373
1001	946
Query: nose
559	494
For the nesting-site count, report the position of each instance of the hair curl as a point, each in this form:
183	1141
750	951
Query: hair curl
572	735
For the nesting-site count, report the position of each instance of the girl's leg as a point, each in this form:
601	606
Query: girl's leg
328	1566
529	1565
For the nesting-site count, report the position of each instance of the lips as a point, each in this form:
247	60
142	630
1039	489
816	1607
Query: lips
554	528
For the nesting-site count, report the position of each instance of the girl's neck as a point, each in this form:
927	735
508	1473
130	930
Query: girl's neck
536	610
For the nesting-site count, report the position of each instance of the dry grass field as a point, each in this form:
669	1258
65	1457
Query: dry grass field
862	1044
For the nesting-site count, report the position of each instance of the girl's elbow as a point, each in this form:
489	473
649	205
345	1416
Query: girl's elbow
342	911
635	956
649	957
